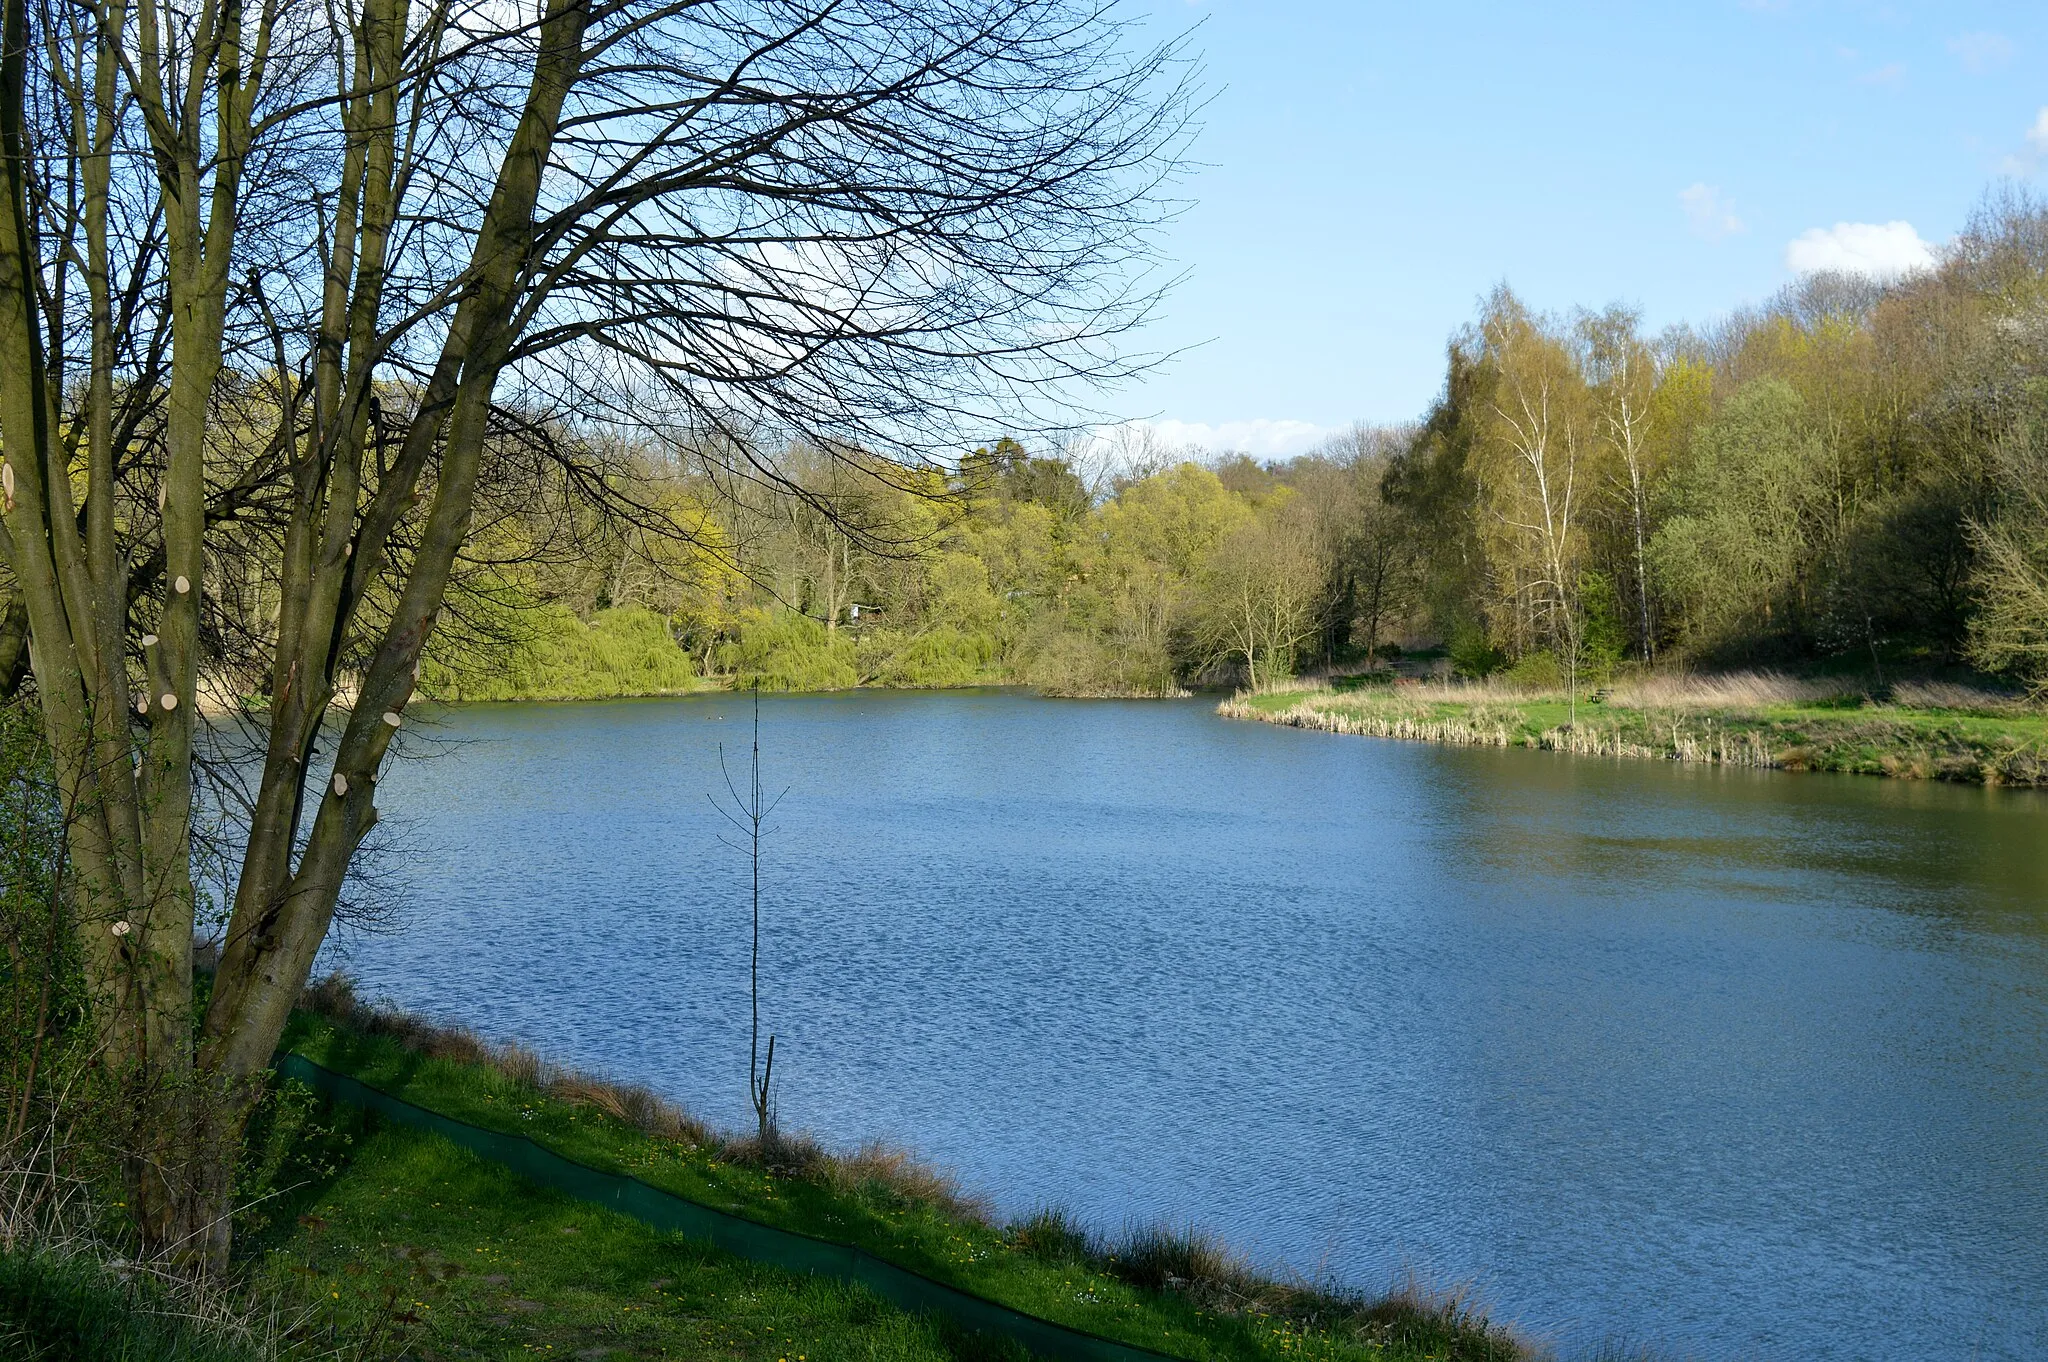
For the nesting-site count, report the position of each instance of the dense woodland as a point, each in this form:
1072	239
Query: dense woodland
1854	475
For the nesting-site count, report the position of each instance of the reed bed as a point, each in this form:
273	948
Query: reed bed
1495	725
1951	695
1727	690
1926	731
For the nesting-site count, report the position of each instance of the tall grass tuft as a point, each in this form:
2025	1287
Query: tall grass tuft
1053	1235
1162	1259
68	1293
70	1308
1727	690
1952	695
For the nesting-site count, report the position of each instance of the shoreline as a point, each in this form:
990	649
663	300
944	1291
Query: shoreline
723	685
1168	1292
1963	746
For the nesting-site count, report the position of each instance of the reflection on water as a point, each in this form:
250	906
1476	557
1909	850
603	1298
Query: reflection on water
1744	1063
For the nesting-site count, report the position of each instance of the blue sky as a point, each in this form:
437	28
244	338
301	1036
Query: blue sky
1373	168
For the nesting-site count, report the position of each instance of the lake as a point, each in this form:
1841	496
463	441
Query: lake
1739	1064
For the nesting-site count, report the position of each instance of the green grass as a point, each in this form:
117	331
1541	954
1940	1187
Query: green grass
1850	734
73	1309
424	1250
472	1262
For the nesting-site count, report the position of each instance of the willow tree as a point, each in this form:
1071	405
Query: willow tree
424	233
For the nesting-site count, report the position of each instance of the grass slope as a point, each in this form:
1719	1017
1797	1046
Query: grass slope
421	1249
1849	734
416	1237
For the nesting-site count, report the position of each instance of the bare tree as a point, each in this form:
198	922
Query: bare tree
1262	593
727	225
749	813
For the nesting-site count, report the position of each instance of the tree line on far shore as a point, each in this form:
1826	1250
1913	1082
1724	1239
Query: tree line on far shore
1854	474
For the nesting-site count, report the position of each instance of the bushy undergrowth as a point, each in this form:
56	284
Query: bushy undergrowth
932	659
781	650
57	1308
624	651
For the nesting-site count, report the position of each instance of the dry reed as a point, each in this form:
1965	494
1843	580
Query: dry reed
1726	690
52	1227
1952	695
1484	725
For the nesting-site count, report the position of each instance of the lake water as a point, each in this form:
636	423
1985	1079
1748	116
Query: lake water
1740	1064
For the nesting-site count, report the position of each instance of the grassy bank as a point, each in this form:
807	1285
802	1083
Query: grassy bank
1924	732
405	1239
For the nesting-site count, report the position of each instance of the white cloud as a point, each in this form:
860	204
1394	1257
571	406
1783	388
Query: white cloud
2037	136
1982	52
1135	442
1709	212
1887	250
1262	437
2028	161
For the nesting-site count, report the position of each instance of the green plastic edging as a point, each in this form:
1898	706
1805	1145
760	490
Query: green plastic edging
781	1248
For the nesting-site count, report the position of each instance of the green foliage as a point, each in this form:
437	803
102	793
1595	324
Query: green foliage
557	656
44	1029
1473	655
782	650
71	1309
942	656
1536	671
1742	519
1175	519
2010	631
1604	636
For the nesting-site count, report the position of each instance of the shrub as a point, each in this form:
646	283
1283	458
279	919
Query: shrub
782	650
1536	671
1159	1259
945	656
624	651
1473	655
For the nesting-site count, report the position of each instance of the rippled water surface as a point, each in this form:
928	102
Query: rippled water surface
1743	1064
